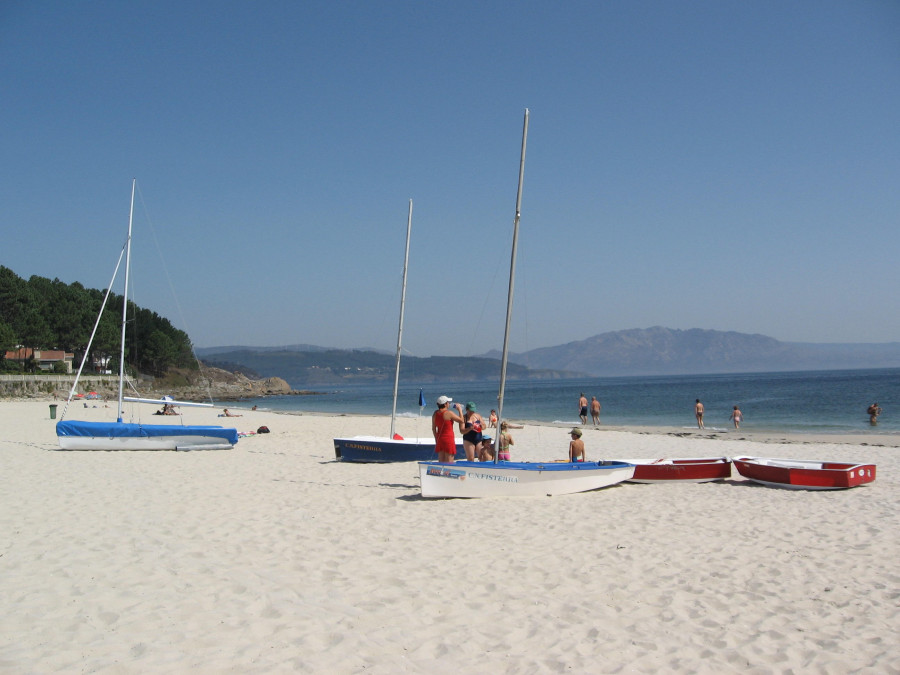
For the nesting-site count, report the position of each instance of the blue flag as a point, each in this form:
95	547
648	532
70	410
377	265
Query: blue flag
421	399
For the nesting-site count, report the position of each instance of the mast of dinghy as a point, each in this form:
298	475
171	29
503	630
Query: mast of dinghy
121	412
512	284
400	329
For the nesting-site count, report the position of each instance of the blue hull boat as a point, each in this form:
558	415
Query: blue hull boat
378	449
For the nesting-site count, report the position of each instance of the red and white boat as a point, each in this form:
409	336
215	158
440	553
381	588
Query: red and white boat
682	470
799	474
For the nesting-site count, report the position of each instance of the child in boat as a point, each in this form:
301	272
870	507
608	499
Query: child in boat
576	446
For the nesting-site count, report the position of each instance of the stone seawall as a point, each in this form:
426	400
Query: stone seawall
220	385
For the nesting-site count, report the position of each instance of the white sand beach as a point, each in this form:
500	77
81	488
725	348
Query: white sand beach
272	557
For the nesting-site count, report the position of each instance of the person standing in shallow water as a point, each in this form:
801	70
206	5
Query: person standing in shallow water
583	408
595	410
874	411
698	413
736	417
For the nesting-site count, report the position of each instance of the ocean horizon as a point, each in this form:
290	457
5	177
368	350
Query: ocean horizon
814	402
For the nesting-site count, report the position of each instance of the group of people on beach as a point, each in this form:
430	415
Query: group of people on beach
476	444
483	448
736	416
471	425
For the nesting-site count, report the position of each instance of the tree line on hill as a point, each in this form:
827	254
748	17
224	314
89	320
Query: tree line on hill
333	366
40	314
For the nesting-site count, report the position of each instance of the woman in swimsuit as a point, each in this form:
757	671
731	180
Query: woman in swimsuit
442	427
737	416
576	446
873	411
472	437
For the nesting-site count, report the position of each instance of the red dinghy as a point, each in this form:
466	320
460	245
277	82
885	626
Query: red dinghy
683	470
799	474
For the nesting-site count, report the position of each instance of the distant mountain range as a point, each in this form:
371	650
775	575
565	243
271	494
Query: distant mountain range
664	351
650	351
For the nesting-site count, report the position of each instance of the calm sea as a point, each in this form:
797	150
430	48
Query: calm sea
800	402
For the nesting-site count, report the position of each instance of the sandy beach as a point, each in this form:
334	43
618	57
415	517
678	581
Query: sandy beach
273	557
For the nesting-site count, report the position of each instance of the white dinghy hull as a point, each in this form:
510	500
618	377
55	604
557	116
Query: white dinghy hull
518	479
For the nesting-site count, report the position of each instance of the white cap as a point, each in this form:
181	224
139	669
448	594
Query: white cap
443	400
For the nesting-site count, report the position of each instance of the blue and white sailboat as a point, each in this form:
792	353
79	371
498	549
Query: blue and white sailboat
393	448
517	479
121	435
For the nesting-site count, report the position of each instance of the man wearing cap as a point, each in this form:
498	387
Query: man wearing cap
442	427
576	446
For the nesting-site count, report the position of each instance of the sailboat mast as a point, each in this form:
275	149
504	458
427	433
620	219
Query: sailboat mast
400	329
512	283
119	411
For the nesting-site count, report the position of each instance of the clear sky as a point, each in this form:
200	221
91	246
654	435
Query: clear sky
700	164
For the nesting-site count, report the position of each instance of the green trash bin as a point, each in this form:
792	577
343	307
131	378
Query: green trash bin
52	411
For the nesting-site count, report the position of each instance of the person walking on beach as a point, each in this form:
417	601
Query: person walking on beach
576	446
472	436
736	417
595	410
873	412
583	408
442	427
698	413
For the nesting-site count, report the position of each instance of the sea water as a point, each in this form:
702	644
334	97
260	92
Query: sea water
817	402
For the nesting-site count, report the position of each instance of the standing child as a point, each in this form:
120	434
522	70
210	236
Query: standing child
506	440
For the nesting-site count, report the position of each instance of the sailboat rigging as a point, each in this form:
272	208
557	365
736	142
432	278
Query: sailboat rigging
121	435
516	479
394	448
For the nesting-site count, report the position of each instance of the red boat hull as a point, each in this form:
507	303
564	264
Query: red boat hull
680	470
804	475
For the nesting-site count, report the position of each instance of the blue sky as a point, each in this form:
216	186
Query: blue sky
721	165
